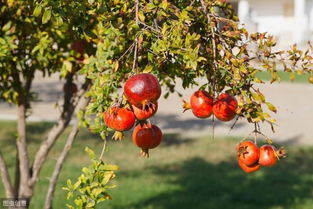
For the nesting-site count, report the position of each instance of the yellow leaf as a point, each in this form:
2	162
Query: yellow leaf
148	69
271	107
141	16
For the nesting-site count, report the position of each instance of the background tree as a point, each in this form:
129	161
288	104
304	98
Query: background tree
107	41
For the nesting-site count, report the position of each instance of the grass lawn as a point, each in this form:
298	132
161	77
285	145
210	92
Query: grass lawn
284	77
183	173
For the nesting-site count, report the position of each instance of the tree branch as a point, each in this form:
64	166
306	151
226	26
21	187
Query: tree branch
55	132
9	191
59	164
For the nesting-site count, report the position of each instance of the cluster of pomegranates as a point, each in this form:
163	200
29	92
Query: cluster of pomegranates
142	92
251	158
203	105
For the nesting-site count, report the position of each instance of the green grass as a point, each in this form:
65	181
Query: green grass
183	173
284	77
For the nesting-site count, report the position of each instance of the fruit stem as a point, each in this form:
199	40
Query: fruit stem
103	148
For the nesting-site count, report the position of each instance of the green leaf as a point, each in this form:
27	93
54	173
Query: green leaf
91	153
46	16
69	184
37	10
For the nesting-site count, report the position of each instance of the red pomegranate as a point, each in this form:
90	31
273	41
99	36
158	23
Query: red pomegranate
147	136
248	153
248	169
201	104
142	89
269	155
79	47
143	113
119	119
225	107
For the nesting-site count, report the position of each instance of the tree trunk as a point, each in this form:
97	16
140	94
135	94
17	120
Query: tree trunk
25	190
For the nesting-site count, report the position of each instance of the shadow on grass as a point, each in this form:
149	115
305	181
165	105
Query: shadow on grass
173	121
204	185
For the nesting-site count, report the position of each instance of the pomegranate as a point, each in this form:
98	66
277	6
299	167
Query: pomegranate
146	112
142	89
146	136
225	107
248	153
79	47
201	104
119	119
269	155
248	169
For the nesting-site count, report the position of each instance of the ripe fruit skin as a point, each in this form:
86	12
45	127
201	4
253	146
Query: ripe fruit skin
79	47
225	107
145	112
249	169
268	156
248	153
147	136
142	89
201	104
120	119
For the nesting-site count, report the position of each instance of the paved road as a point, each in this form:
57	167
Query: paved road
294	117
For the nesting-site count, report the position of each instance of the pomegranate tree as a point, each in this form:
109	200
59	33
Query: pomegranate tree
175	40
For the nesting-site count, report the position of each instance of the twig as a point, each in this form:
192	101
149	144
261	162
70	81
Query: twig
150	27
129	49
255	132
103	148
234	124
